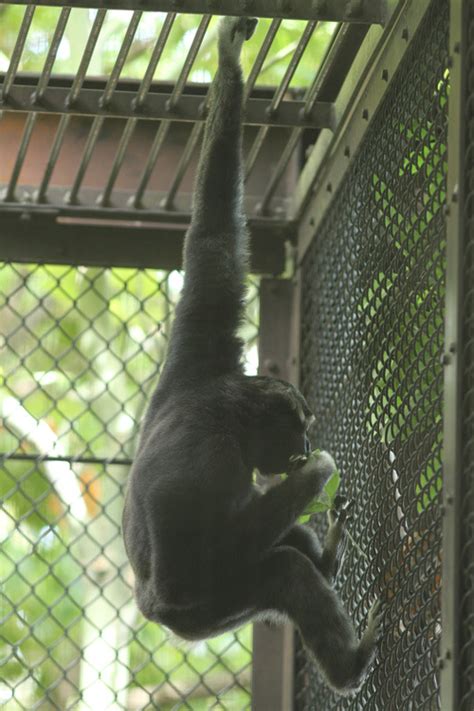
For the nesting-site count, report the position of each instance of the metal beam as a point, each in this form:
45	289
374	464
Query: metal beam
44	237
450	665
273	647
56	149
363	91
157	107
357	11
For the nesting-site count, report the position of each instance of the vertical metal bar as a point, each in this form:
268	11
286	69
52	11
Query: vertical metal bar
189	62
189	149
20	158
250	85
40	195
150	164
154	59
104	199
279	96
327	64
17	52
51	56
121	57
87	56
273	648
138	103
277	174
99	120
64	122
165	125
96	127
312	96
255	150
260	58
292	67
453	425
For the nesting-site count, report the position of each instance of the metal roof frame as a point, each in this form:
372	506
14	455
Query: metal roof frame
49	218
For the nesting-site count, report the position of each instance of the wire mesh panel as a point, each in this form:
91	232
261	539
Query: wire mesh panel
371	367
81	349
467	541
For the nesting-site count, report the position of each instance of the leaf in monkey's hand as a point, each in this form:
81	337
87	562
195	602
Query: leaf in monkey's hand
332	486
325	501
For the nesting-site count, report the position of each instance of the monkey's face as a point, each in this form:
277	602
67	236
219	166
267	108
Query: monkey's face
284	431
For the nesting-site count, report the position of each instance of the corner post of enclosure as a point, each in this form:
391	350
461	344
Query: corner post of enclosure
273	647
453	361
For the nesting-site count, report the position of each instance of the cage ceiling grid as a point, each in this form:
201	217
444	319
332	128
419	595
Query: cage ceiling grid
103	108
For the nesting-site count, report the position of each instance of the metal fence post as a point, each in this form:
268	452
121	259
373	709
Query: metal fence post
452	517
273	647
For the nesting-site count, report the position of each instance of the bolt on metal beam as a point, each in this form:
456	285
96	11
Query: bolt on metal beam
356	11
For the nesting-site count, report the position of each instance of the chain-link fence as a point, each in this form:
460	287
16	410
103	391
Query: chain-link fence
81	349
467	537
372	345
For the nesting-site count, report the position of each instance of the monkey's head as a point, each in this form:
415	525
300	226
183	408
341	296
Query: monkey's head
284	428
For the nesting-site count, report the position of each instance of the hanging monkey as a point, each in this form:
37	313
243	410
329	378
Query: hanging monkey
208	550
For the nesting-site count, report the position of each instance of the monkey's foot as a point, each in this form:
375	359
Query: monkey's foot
233	32
342	511
336	539
373	630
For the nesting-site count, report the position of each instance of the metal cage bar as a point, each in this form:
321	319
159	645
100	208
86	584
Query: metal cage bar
279	94
457	647
51	56
86	58
356	11
333	53
17	52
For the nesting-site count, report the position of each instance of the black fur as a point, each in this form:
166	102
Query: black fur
208	550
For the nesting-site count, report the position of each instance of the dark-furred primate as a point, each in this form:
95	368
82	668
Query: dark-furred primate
208	550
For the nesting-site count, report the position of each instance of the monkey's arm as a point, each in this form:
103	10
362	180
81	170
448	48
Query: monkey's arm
204	342
267	518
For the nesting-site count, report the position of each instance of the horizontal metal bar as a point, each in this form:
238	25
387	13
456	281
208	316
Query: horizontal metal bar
357	11
156	107
120	208
40	237
5	456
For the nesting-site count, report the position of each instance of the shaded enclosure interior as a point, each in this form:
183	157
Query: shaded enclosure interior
355	198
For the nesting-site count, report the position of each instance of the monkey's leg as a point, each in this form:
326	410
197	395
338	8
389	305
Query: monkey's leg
328	560
306	541
290	584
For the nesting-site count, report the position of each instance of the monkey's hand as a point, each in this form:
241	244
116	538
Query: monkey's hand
233	31
318	465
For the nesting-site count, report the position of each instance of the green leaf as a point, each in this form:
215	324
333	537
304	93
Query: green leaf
332	486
